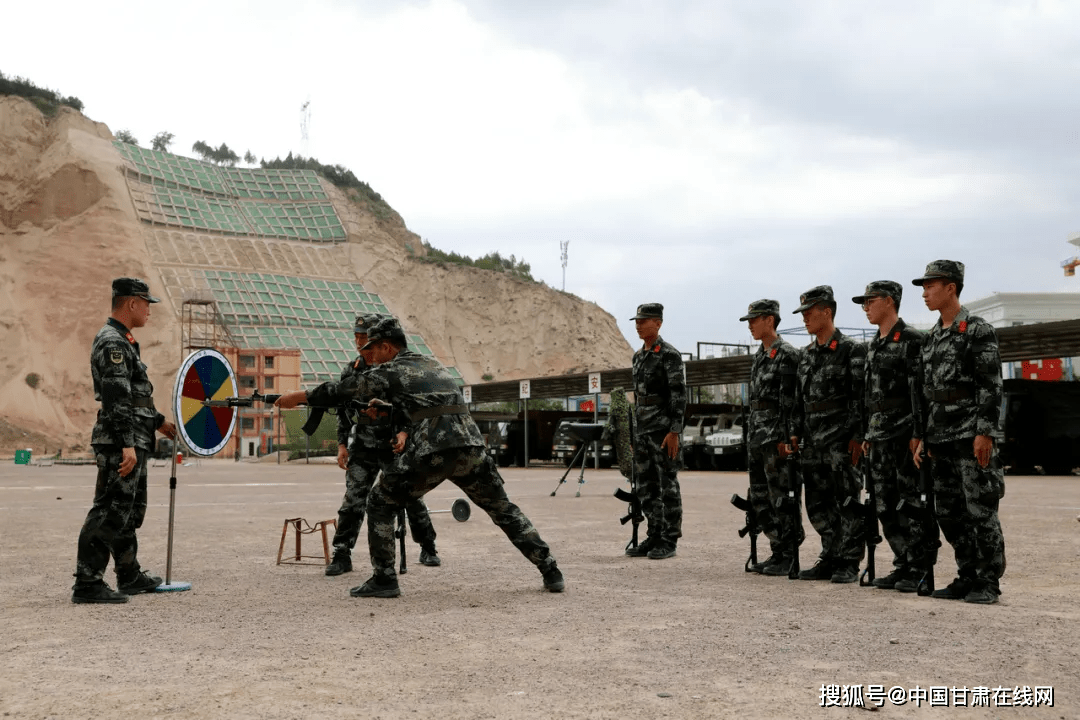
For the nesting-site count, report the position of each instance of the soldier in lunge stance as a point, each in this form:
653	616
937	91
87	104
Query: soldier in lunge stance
436	439
363	449
122	438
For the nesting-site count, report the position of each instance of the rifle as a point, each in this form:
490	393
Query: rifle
621	428
399	533
752	528
871	536
794	501
926	495
634	513
312	424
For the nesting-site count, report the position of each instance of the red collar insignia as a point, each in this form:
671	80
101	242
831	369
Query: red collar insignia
896	336
656	347
962	327
130	338
832	345
772	353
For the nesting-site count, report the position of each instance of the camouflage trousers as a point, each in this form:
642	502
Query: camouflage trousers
109	529
658	488
360	475
907	524
472	470
966	499
768	495
829	479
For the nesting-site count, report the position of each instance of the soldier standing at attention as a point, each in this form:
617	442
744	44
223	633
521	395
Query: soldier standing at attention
122	438
827	421
772	394
363	449
660	404
436	440
892	387
961	383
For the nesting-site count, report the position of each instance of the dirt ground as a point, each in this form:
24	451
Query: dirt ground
690	637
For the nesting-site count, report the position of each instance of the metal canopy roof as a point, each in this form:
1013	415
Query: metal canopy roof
1021	342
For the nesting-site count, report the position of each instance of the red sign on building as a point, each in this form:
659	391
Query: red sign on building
1045	369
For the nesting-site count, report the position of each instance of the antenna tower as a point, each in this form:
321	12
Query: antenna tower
563	245
305	120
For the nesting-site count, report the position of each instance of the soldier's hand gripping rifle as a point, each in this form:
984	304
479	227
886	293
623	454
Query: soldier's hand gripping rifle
871	536
621	429
793	501
309	428
752	527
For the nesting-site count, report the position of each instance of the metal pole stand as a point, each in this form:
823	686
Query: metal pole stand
169	585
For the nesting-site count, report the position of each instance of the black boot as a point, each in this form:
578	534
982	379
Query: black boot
140	582
97	593
378	587
428	556
342	563
553	579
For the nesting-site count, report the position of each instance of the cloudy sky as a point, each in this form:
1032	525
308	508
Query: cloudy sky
697	153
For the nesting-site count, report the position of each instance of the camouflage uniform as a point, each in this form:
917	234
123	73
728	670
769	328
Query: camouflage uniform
827	415
368	442
443	443
772	394
660	406
892	387
127	419
962	394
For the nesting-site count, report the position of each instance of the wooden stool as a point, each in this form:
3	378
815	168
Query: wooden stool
300	525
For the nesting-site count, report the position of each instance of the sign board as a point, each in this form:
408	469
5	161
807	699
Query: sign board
524	390
594	383
466	392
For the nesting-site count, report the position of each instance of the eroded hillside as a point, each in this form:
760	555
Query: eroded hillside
68	226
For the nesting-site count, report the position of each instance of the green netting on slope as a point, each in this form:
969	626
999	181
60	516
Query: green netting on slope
197	211
299	221
315	316
274	184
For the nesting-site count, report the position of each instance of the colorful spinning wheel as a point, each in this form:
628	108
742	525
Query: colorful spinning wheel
204	375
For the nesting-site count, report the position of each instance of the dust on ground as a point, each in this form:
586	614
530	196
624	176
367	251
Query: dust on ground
690	637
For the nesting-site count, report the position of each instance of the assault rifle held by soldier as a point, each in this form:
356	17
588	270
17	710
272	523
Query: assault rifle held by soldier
793	500
309	428
926	495
752	528
871	536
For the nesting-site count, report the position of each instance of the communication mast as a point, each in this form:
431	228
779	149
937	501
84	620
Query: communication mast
305	121
563	245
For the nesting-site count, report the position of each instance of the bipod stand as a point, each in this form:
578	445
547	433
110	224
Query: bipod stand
169	585
581	478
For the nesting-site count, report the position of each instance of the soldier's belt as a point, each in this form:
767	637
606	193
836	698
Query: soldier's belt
826	405
648	400
143	402
424	413
952	395
889	404
764	405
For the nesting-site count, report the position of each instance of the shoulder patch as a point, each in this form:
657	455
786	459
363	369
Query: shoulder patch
116	356
962	327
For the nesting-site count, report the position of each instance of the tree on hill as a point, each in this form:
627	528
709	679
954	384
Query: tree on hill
47	101
162	141
127	137
222	155
249	158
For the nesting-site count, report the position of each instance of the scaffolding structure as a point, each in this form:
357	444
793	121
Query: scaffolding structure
201	325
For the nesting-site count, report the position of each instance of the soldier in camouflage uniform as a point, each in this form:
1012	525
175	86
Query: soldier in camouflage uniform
436	440
826	429
892	382
660	404
772	395
363	448
961	400
122	438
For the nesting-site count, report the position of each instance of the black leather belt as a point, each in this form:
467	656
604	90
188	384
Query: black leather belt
764	405
144	402
430	412
953	394
889	404
826	405
649	400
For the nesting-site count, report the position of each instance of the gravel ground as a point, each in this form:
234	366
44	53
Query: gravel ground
689	637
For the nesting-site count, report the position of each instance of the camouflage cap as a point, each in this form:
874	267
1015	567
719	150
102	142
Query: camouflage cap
385	328
364	322
880	288
761	307
649	310
815	296
132	287
947	269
